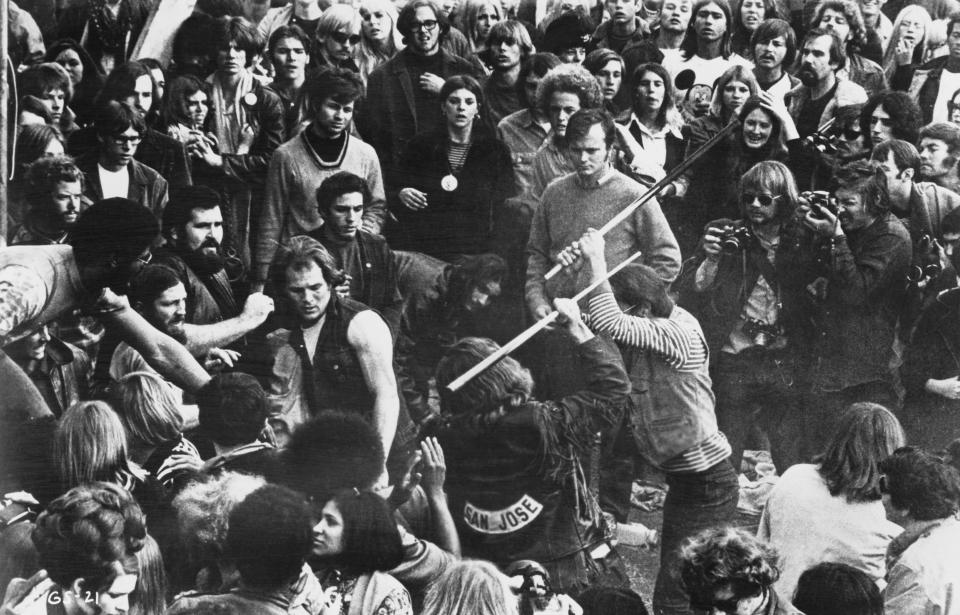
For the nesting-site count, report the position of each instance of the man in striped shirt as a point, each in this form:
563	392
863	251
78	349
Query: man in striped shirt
671	414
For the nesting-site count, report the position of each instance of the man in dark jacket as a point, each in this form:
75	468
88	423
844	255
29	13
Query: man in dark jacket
733	287
514	464
112	171
847	285
406	87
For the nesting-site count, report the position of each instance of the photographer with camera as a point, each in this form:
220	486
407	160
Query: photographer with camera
733	286
847	286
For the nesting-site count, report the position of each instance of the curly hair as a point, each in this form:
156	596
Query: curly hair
269	537
408	14
851	12
83	533
331	452
903	110
505	383
233	408
866	434
203	512
921	484
726	557
43	176
571	79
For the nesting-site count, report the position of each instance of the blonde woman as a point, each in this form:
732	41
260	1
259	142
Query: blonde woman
910	41
379	38
475	18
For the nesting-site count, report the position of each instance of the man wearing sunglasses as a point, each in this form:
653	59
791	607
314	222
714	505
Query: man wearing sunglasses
735	289
338	34
407	86
729	571
111	170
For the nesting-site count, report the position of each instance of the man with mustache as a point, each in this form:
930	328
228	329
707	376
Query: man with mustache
774	50
939	151
54	196
815	101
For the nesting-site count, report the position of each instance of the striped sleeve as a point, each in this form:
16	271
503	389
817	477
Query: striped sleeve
672	339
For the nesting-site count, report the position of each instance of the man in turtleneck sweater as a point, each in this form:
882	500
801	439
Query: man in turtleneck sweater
407	86
300	165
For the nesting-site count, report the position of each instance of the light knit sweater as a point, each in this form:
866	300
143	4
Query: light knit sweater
568	209
290	203
808	526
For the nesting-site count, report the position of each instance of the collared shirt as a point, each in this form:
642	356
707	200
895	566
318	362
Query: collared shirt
523	136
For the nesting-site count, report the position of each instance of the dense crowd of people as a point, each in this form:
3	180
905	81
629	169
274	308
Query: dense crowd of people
248	284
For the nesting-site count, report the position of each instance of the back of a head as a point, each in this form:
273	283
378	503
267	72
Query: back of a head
921	485
113	227
89	444
504	384
371	540
331	452
148	407
837	589
84	532
470	587
865	435
726	557
636	284
233	408
270	536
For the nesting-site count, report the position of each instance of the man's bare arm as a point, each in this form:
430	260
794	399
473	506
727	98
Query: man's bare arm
201	339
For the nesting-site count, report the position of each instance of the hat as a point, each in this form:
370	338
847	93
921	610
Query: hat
572	29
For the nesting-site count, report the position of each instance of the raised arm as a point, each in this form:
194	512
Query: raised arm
203	338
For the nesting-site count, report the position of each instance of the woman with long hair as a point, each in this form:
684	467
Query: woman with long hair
910	41
151	413
355	543
475	18
655	122
86	76
453	181
830	510
34	141
379	38
747	17
185	108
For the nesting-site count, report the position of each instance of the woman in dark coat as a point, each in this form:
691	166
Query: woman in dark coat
452	183
86	76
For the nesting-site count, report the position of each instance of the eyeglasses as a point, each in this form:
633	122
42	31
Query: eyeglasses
428	25
145	258
122	140
729	606
849	134
343	38
766	200
885	121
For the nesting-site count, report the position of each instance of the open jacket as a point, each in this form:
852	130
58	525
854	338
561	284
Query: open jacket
147	187
922	83
847	93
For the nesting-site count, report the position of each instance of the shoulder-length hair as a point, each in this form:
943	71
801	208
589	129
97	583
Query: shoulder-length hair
775	178
148	407
866	434
300	253
668	115
851	12
42	78
369	53
921	53
470	587
239	31
734	73
689	46
371	540
337	17
175	101
466	20
90	445
741	37
775	146
506	384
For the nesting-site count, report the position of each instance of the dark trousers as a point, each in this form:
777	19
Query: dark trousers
694	503
757	389
823	408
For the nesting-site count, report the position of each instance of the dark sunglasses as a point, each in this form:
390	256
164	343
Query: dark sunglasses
343	38
766	200
885	121
729	606
849	134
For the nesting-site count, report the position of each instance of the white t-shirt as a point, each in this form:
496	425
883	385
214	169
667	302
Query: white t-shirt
781	87
949	84
114	184
707	71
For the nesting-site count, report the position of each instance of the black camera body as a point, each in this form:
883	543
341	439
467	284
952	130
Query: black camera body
736	239
821	198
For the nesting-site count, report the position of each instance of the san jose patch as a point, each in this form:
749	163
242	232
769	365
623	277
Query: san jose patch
504	521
